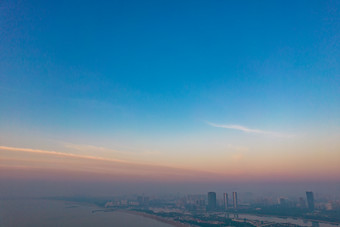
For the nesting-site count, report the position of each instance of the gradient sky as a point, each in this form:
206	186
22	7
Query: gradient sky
170	90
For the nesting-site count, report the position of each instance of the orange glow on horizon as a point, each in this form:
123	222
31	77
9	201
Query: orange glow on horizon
16	161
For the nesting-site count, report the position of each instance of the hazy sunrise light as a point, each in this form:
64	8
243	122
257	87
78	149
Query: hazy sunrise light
151	107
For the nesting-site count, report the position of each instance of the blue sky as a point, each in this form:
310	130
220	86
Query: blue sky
150	73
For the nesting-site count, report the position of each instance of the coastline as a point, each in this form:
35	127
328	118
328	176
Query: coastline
284	217
95	208
155	217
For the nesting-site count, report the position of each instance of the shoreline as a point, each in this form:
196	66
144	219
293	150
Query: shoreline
155	217
95	208
285	217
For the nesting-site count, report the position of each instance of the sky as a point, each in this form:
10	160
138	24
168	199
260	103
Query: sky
170	91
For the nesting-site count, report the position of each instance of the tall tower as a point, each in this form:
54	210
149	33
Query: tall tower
310	200
225	201
211	200
235	199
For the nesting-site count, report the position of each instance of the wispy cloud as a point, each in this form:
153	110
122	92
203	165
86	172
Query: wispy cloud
250	130
102	165
63	154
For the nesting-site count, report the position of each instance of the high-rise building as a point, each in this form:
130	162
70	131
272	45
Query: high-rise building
310	200
283	202
235	199
225	201
140	200
211	200
302	203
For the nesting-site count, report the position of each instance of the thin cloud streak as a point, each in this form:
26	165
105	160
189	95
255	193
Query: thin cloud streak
29	150
249	130
154	167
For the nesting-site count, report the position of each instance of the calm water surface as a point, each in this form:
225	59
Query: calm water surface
59	213
295	221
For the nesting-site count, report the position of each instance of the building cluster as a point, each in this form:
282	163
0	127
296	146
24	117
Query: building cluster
301	203
212	204
206	208
143	200
229	202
